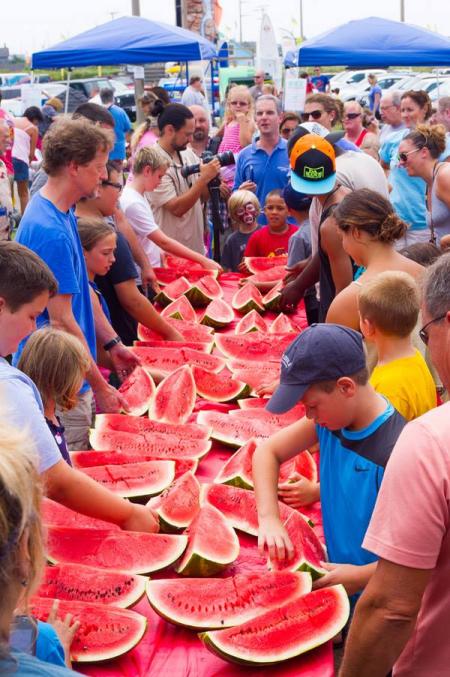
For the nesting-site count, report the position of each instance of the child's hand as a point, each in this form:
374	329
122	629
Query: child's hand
65	629
142	519
124	360
273	536
248	185
267	388
353	578
299	491
212	265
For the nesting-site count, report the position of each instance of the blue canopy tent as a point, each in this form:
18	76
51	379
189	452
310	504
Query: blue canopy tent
376	43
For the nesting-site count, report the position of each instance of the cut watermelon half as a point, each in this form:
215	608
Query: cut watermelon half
132	551
212	546
282	325
134	480
172	291
91	459
90	584
191	331
180	309
257	264
203	347
247	298
218	387
105	631
163	361
253	347
251	322
178	505
245	596
218	314
291	629
137	392
308	550
57	515
174	399
150	445
233	431
204	291
137	424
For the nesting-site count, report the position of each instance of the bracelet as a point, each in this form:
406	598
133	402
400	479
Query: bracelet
112	343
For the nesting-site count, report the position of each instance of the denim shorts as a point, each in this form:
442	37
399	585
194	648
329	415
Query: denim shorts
21	170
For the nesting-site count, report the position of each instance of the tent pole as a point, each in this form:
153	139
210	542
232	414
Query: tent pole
66	103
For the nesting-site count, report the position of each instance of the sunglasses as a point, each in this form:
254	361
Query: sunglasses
239	103
118	186
403	157
315	115
352	116
423	332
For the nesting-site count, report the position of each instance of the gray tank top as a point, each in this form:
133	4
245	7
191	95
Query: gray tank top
438	216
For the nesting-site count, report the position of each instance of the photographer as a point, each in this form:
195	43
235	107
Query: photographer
177	202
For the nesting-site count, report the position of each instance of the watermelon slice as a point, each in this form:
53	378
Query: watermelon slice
212	546
250	322
178	505
135	424
91	459
238	506
303	464
191	331
218	314
150	445
253	402
247	298
172	291
105	631
165	276
162	361
137	392
132	551
203	347
282	325
269	367
256	380
245	596
181	264
233	431
284	632
180	309
57	515
237	471
90	584
134	480
253	347
218	387
280	420
257	264
174	399
271	300
271	275
308	550
204	291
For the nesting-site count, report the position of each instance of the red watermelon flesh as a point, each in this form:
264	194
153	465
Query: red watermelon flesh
257	264
251	322
174	399
172	291
212	545
90	584
253	347
132	424
167	275
180	264
218	314
180	309
308	550
57	515
203	347
137	392
150	445
253	402
237	471
132	551
233	431
293	628
270	275
280	420
271	300
238	506
133	480
105	631
191	331
260	367
204	291
178	504
166	360
247	298
90	459
255	379
224	602
282	325
218	387
303	464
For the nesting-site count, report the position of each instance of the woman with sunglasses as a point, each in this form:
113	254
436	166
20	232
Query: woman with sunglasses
408	194
353	124
238	128
324	109
419	153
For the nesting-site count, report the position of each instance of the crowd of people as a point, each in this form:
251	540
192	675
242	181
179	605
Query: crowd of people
359	203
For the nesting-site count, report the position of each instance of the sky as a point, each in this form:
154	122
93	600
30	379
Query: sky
29	26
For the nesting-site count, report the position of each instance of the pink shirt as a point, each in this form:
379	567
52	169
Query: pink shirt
410	527
230	142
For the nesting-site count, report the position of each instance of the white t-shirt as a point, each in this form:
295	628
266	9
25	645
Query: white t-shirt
140	217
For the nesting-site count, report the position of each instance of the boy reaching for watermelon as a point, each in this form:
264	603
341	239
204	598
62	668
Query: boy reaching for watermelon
325	369
26	285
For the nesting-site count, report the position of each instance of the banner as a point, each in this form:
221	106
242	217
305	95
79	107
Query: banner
202	16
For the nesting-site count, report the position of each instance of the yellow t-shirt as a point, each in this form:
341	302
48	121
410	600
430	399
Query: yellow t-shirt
408	385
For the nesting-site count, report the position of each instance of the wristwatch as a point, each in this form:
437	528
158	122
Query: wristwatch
112	343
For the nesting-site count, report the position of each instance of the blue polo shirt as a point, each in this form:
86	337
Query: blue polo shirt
352	464
269	172
122	125
53	236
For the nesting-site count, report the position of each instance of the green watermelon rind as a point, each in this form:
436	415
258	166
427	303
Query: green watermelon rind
315	639
163	298
199	565
215	322
136	492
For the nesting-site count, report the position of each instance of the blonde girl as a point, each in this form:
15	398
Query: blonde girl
238	128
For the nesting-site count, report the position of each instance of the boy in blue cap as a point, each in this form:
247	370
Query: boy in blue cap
325	369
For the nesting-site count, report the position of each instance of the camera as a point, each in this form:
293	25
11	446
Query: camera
226	158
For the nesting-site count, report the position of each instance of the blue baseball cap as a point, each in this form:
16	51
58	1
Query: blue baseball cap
322	352
295	200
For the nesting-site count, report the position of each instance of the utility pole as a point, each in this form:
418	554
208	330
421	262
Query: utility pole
402	10
138	82
301	19
240	21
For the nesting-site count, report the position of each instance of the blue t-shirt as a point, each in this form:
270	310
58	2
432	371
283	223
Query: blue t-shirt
122	125
48	646
376	89
53	235
22	407
233	250
408	194
23	665
269	172
352	464
320	82
100	297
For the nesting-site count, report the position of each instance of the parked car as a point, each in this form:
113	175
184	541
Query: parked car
347	79
387	82
123	96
